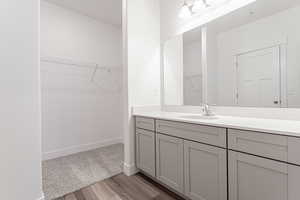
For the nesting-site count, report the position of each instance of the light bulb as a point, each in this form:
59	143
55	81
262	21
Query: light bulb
185	12
198	6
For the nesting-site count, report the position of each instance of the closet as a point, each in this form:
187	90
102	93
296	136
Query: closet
81	76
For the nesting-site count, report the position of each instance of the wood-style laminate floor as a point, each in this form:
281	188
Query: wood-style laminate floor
122	187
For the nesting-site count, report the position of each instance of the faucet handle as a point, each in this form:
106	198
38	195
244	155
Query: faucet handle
204	106
208	104
206	109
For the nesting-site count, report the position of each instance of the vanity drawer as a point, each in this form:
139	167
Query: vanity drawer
204	134
294	150
145	123
257	143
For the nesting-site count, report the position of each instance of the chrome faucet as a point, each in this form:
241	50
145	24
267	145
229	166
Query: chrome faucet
207	111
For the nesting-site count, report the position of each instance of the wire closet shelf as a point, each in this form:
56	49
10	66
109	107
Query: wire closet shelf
69	62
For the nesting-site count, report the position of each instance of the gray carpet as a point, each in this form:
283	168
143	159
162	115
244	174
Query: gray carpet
70	173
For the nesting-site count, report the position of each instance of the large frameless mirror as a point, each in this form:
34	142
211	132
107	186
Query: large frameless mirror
247	58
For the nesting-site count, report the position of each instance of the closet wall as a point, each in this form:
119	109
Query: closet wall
81	109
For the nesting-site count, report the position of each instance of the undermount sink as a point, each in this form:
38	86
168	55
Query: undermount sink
199	117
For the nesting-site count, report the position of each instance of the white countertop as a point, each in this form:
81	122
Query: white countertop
274	126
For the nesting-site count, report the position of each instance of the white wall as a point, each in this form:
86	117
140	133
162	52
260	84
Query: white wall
78	114
281	28
20	138
141	34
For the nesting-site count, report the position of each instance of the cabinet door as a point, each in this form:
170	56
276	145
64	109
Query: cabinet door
145	151
294	150
205	172
255	178
169	161
294	182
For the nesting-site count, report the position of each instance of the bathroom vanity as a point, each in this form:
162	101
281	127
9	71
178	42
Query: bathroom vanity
246	60
227	158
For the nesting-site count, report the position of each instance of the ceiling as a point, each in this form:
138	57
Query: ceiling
108	11
250	13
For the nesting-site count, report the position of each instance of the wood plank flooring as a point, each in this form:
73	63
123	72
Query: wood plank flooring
122	187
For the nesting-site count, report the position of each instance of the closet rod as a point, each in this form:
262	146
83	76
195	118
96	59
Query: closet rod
64	61
70	62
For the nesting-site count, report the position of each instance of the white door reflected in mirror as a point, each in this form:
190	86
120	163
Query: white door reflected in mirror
258	75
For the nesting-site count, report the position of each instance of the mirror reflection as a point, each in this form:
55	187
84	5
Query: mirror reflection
252	58
183	69
192	70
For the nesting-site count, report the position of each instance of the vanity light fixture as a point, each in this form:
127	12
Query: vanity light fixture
185	11
194	7
199	5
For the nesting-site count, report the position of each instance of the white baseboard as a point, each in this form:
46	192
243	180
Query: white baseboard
129	170
79	148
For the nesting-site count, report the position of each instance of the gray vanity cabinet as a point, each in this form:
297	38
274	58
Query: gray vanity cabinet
211	163
169	161
205	172
145	151
193	166
252	177
258	166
